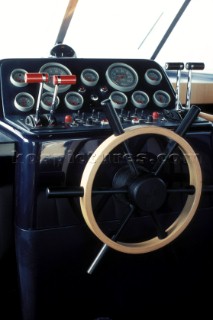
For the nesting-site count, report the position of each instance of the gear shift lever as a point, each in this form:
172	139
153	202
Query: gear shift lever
178	66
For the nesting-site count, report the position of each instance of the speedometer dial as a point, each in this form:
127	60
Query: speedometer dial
55	69
121	77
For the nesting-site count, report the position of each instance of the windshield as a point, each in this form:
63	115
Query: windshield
109	29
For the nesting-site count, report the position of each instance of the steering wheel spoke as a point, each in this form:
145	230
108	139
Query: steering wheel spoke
161	233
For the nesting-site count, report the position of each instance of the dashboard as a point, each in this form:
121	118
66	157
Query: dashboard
36	104
139	90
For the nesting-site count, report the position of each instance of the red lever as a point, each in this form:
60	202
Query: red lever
66	79
36	77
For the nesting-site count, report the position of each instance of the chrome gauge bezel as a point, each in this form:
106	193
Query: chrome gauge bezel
157	76
122	102
21	82
44	105
115	69
140	104
49	69
160	103
22	107
89	82
70	105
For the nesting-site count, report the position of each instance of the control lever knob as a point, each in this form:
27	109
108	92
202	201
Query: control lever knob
195	65
36	77
174	66
64	79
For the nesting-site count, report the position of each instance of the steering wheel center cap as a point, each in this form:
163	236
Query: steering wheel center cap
148	193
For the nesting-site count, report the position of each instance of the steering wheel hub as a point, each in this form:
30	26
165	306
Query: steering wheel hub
148	193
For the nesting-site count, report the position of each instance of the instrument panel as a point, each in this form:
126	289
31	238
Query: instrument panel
137	88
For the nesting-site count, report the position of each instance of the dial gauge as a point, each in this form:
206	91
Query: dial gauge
17	77
161	98
140	99
24	101
89	77
73	100
46	101
55	69
118	99
153	76
121	76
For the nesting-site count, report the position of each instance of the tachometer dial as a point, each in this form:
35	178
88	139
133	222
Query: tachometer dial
17	77
24	101
89	77
46	101
118	99
153	76
73	100
161	98
55	69
140	99
121	76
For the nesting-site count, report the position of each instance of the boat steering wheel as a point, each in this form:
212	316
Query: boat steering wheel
146	191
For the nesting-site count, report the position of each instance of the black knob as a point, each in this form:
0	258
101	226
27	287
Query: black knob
195	65
174	66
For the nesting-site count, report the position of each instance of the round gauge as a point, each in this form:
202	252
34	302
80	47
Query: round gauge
73	100
55	69
118	99
153	76
161	98
46	101
121	77
89	77
140	99
24	101
17	77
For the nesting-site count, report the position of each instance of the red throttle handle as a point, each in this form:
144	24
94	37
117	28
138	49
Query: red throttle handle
36	77
66	79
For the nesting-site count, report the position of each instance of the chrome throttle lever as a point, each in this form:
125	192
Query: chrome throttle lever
40	78
59	80
177	66
191	66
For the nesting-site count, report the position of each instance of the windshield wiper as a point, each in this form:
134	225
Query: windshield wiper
60	49
169	30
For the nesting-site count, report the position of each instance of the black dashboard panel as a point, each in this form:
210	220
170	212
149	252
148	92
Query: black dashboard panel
19	100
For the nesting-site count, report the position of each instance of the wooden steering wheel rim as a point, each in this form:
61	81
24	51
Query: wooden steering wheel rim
184	218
